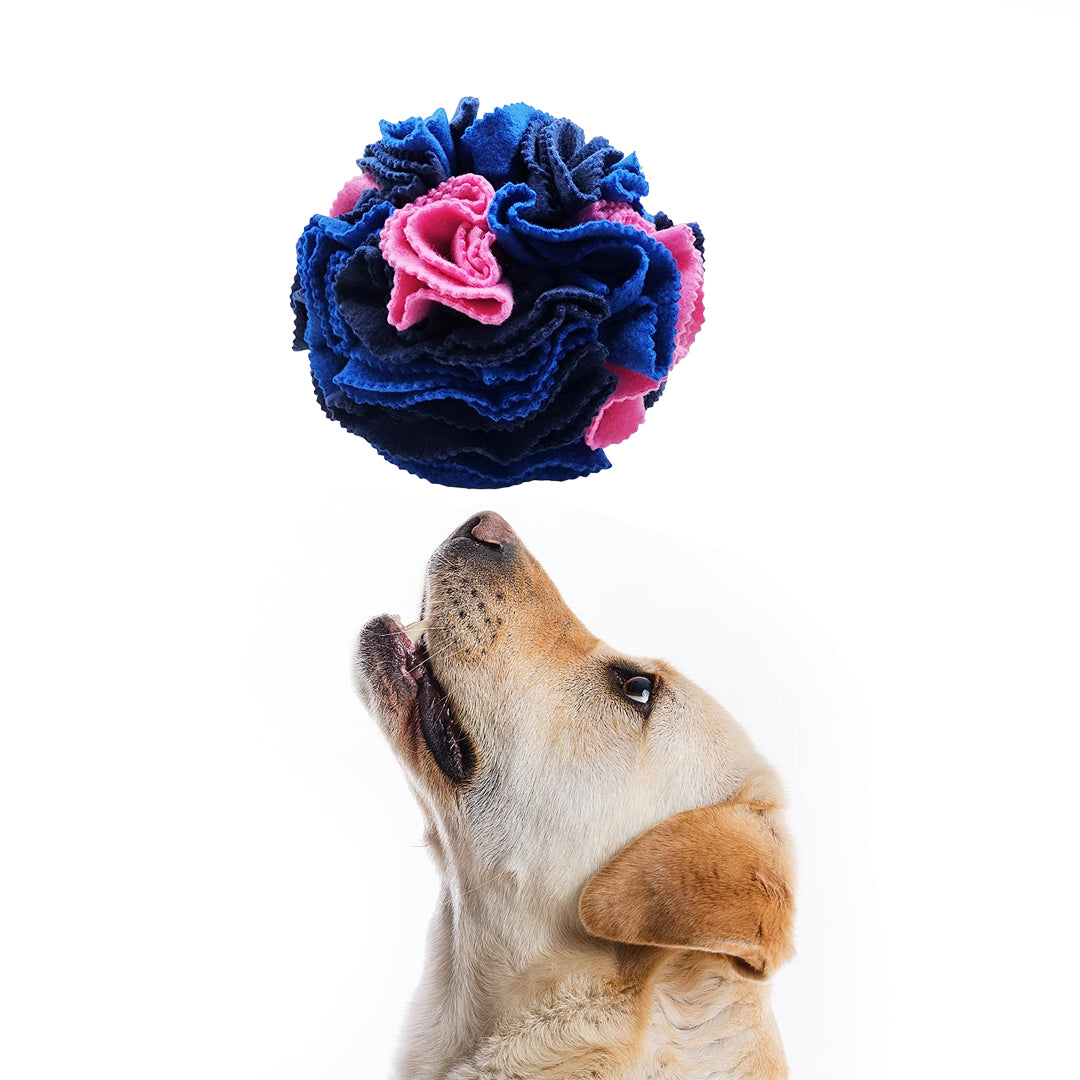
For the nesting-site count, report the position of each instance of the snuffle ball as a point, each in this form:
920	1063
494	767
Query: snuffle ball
488	302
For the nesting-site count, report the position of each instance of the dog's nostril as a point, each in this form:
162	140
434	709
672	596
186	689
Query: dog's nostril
487	528
466	529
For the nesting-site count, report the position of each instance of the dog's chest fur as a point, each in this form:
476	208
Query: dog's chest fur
672	1017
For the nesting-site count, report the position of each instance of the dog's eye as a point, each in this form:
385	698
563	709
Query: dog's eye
638	689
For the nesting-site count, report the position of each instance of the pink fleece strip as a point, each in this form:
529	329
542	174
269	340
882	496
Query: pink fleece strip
679	240
440	247
347	197
624	412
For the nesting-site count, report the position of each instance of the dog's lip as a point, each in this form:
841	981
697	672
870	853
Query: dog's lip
398	671
384	643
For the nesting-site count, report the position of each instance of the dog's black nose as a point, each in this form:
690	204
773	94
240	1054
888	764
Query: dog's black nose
488	528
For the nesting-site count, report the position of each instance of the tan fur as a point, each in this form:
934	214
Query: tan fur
617	887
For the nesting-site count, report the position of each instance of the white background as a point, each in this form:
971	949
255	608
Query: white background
852	517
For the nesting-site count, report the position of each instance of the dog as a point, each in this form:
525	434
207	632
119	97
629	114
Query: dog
617	876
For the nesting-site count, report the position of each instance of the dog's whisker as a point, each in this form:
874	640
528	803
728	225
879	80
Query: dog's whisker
444	650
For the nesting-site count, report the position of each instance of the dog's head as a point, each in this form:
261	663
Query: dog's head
604	791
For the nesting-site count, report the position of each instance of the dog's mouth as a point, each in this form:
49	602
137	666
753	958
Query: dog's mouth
397	671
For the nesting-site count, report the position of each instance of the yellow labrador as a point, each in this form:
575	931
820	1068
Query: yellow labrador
617	876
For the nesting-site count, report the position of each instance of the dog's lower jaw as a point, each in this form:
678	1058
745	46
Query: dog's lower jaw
583	1013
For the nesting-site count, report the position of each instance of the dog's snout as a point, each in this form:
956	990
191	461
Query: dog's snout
488	528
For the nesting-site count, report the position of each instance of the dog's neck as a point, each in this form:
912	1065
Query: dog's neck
548	1001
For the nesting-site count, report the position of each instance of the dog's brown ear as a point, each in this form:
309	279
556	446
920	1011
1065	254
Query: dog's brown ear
717	879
